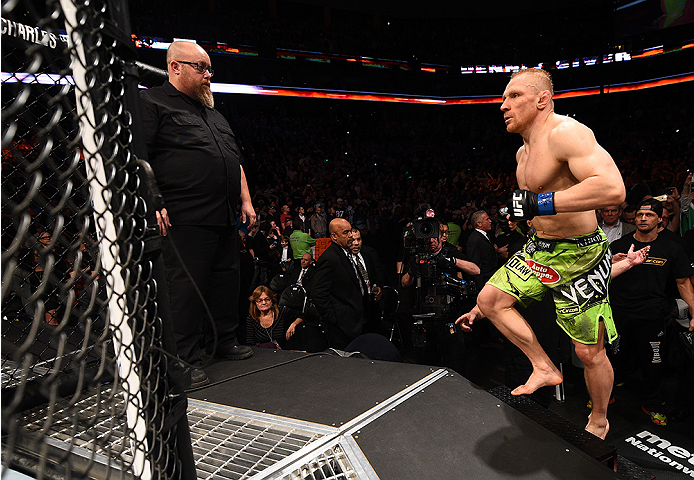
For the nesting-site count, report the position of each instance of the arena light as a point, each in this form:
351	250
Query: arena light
350	95
659	82
323	57
241	89
650	52
577	93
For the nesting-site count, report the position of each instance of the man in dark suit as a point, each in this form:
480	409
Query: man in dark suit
479	248
337	290
374	277
303	272
372	262
482	252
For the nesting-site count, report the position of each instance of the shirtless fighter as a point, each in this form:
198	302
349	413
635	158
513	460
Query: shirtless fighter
564	176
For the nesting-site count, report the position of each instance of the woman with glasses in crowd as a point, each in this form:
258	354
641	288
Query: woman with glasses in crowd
269	325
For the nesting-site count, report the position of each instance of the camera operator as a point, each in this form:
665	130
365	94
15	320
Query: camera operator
436	270
446	257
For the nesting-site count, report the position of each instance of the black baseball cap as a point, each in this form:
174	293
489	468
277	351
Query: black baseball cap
651	204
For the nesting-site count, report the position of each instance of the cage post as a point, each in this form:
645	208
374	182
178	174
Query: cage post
108	246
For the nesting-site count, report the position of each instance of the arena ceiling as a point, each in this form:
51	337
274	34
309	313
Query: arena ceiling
464	9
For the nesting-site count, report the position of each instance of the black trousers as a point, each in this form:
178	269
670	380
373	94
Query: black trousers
211	256
642	343
337	339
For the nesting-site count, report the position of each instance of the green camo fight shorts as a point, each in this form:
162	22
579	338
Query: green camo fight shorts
576	270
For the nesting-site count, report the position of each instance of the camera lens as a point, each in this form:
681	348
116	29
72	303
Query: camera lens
426	228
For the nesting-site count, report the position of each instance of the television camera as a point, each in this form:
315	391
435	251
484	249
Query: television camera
439	293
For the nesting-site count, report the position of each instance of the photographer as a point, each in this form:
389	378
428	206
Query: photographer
436	268
449	260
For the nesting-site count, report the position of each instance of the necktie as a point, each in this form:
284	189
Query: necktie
363	273
301	275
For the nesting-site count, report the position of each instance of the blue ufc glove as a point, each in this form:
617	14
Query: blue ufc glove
524	205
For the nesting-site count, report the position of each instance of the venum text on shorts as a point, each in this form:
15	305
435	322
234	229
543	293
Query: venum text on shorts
592	284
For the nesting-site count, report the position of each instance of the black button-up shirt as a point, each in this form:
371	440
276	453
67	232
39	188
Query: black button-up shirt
194	156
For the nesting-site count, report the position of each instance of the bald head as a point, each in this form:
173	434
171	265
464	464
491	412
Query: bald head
184	76
306	260
185	51
340	232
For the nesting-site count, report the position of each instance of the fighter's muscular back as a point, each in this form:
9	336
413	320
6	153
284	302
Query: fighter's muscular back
561	155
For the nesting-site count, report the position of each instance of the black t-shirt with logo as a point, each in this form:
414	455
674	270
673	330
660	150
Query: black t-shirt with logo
645	291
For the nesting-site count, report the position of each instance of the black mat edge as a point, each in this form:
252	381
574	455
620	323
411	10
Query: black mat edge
593	446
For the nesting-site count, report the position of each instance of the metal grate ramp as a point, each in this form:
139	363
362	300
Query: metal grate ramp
11	372
233	443
228	442
100	436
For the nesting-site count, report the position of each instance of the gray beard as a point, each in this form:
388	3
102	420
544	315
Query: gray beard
205	97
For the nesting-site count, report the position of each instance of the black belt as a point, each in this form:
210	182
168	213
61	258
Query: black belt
547	245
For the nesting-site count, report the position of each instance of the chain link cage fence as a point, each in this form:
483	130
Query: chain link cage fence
87	390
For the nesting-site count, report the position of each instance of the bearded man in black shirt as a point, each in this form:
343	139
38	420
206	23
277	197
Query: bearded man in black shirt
197	164
641	301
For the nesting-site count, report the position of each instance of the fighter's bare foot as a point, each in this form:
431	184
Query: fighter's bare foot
538	379
597	428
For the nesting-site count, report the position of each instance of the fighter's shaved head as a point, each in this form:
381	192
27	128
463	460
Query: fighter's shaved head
537	78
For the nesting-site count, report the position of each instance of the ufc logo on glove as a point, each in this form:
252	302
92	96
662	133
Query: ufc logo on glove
517	204
525	204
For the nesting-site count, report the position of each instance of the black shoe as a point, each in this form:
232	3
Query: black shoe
237	352
198	378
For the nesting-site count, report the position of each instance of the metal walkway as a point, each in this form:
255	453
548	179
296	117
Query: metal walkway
232	443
